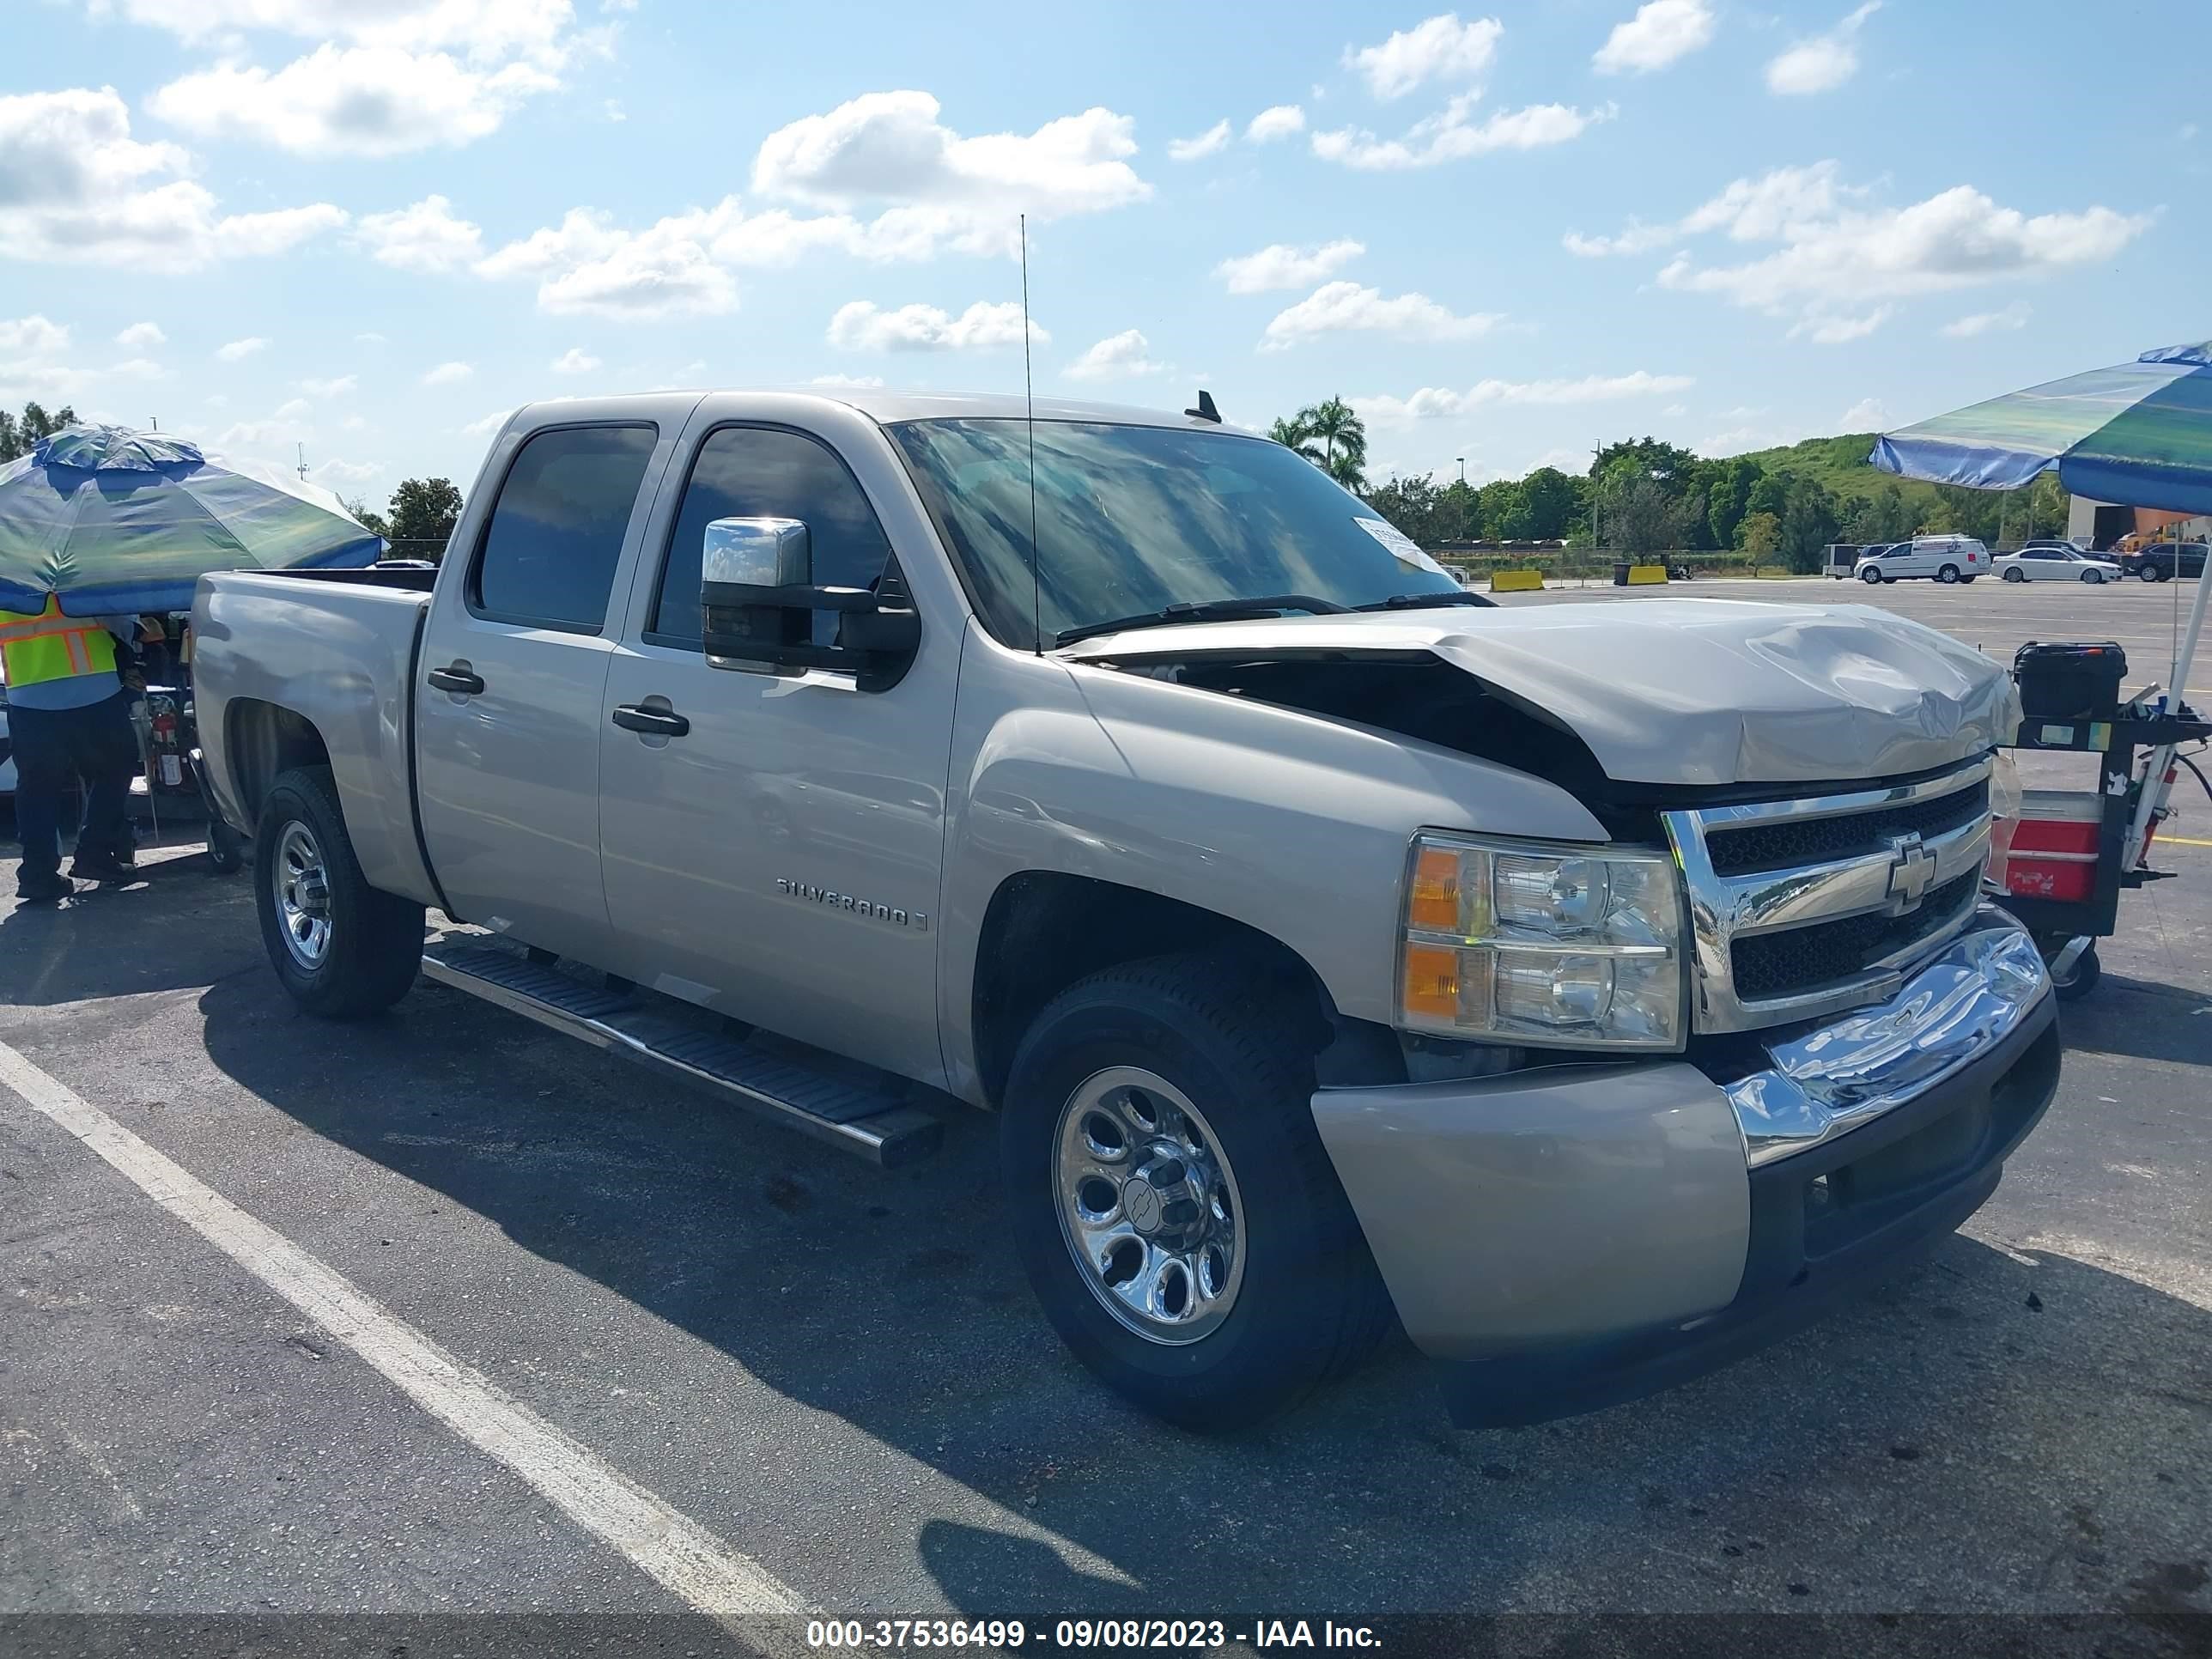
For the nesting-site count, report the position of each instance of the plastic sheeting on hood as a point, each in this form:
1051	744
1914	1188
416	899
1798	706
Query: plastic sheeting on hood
1680	691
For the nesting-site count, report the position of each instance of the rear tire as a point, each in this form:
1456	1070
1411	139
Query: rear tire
2015	574
341	948
1279	1292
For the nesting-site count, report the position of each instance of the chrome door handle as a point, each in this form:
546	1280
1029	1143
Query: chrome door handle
650	722
459	681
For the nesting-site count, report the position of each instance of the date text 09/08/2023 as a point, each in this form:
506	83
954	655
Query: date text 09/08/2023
1006	1633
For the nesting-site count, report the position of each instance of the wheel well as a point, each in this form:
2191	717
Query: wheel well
1042	932
261	742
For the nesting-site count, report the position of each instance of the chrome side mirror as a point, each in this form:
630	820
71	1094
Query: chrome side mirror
754	594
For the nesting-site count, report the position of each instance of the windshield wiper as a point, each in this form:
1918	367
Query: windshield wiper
1272	604
1427	601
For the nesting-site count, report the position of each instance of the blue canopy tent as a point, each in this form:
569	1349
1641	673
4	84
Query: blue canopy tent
115	521
2136	435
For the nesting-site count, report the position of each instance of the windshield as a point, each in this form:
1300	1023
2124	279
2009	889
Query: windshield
1136	518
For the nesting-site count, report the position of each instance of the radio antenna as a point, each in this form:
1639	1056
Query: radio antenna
1029	397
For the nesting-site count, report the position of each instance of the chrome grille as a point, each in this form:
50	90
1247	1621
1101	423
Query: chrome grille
1804	907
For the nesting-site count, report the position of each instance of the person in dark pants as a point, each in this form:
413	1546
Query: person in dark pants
67	719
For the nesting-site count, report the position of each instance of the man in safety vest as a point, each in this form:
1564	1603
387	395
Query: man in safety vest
66	715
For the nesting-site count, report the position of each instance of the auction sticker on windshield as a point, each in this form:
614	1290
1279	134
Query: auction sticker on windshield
1403	547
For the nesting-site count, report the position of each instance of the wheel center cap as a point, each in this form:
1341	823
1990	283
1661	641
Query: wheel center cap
1140	1202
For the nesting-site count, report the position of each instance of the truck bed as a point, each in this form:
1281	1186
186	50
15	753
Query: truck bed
337	649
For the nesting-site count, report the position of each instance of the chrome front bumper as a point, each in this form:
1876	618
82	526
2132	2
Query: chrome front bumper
1953	1009
1579	1204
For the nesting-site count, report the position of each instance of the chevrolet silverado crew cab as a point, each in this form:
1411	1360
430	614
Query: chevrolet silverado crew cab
1591	988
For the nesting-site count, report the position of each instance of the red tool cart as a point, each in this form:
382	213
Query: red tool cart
2061	865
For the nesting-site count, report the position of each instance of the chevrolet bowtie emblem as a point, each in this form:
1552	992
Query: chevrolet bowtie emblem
1911	867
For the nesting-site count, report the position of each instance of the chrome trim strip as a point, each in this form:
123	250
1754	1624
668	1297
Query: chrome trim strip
1951	1010
1722	907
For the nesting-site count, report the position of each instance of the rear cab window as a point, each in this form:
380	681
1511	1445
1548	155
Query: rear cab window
547	555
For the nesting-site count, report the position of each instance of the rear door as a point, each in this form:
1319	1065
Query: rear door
509	684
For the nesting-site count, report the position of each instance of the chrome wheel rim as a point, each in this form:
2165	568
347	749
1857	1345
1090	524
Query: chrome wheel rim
1148	1205
303	891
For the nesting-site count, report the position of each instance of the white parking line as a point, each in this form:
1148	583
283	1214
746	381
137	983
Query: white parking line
661	1541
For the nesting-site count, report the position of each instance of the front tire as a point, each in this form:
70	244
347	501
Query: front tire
1870	576
2094	578
1172	1200
1949	573
341	948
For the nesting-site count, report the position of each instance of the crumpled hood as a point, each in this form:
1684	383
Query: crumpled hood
1677	691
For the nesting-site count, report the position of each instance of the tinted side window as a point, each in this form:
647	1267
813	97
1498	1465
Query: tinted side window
556	533
759	472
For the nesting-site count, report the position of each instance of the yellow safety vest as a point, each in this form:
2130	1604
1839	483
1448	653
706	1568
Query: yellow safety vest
52	647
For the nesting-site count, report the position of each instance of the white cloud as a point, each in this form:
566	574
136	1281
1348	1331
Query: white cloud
352	100
372	338
487	425
135	369
332	473
574	360
1824	62
2015	315
337	386
861	326
1868	415
1122	356
587	266
1837	261
33	336
425	237
1661	32
888	150
237	350
1430	403
1441	49
847	382
450	375
142	335
293	410
1215	137
1454	135
1281	266
1340	306
481	29
75	185
1838	328
1278	121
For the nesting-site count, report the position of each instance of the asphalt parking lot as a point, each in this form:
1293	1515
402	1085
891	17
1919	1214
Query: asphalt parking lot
836	1374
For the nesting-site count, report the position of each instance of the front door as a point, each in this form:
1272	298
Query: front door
779	860
509	693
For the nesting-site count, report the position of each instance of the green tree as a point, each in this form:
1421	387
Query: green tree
1809	524
1459	513
1758	534
1343	439
1290	432
1552	501
1413	505
366	516
1505	512
1635	513
1728	496
11	442
424	514
1769	492
1670	467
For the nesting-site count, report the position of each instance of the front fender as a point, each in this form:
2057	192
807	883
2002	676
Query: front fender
1295	825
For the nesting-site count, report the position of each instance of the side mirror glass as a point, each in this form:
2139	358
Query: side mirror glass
756	553
753	592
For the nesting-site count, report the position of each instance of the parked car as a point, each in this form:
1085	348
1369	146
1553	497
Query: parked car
2161	561
2060	563
1590	987
2059	542
1943	558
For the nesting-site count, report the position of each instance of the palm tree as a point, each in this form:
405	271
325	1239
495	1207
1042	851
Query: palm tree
1343	437
1293	435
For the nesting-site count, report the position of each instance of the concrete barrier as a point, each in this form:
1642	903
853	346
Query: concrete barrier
1642	576
1516	581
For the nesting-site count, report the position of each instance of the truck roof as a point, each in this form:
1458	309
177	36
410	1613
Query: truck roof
879	404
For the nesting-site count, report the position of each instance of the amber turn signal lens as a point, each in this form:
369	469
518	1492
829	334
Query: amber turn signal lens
1431	981
1434	907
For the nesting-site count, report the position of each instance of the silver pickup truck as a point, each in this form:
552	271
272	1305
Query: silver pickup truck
1593	989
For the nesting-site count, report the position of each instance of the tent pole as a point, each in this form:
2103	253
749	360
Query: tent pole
2157	785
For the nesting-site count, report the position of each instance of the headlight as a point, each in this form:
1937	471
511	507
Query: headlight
1522	942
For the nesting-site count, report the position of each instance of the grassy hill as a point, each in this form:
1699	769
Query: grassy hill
1840	463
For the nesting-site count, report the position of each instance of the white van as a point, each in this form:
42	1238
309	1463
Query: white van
1945	558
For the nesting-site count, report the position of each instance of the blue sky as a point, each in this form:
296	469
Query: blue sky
373	227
